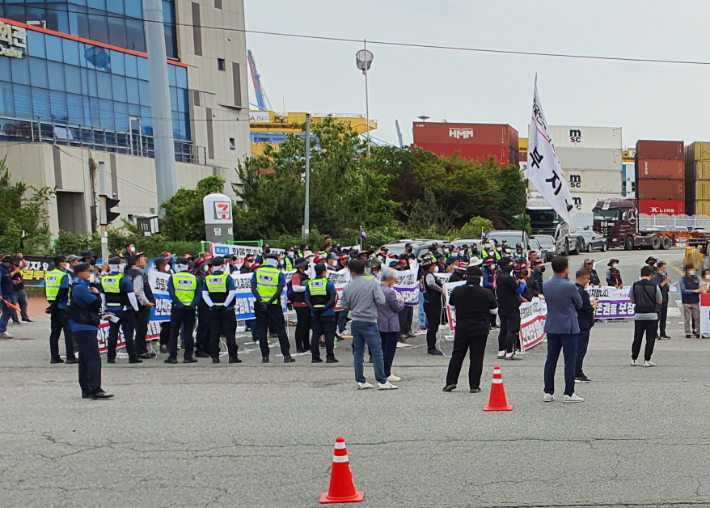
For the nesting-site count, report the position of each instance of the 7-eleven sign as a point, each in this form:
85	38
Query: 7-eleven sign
222	211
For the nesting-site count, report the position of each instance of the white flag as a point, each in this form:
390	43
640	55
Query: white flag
544	169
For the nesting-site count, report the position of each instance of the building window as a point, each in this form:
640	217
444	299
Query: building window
232	145
220	64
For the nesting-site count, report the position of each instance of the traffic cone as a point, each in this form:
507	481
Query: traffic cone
341	488
496	401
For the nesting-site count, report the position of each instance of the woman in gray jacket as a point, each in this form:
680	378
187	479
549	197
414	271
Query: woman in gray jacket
388	320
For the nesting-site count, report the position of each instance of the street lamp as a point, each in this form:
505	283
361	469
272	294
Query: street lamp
364	59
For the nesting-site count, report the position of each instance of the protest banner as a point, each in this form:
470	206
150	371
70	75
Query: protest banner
159	285
450	312
340	279
407	285
37	267
241	251
704	315
244	299
613	303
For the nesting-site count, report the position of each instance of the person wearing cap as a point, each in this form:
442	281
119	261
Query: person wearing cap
651	262
593	275
146	301
459	271
230	267
161	265
299	282
613	275
690	298
663	279
57	284
201	270
473	304
185	292
289	260
440	262
433	294
84	318
267	285
508	293
218	293
320	296
72	260
332	262
119	298
261	258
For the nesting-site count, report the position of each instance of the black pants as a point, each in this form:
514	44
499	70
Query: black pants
389	348
405	319
640	327
272	319
463	342
182	316
582	343
303	328
433	320
164	333
322	325
202	342
127	324
222	322
89	360
59	321
142	319
493	316
509	331
662	316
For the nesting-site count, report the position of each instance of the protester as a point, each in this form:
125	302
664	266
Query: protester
585	317
6	293
459	271
218	292
267	284
119	299
299	282
646	296
489	281
19	295
388	321
663	279
161	265
56	286
146	301
472	304
562	328
433	295
613	275
593	275
508	291
320	297
690	297
651	262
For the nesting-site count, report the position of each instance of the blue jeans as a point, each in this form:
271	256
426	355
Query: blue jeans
364	332
7	313
567	343
422	314
342	318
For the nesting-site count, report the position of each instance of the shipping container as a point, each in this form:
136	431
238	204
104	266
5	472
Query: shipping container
660	150
698	190
585	201
464	134
660	169
505	155
660	189
585	137
697	170
594	180
698	151
662	206
701	207
589	158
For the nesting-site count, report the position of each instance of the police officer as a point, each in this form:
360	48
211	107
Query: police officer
119	299
202	341
289	261
184	290
320	298
219	293
267	285
56	286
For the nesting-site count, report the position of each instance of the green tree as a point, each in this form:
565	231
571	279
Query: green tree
510	201
473	228
184	218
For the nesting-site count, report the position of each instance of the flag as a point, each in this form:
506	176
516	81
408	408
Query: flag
362	233
483	233
544	170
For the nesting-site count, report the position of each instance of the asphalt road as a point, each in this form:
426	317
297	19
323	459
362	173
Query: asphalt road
254	435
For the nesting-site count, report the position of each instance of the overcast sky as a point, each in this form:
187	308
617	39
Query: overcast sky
649	100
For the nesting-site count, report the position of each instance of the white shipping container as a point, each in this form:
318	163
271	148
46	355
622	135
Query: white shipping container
585	201
594	180
589	158
570	136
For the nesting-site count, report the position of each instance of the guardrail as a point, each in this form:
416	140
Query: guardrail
683	222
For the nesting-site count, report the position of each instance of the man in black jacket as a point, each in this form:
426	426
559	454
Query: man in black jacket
538	267
585	316
593	275
663	280
646	296
508	291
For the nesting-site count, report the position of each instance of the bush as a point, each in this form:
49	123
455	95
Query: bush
472	229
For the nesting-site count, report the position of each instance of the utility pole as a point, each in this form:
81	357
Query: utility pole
307	211
166	180
102	211
363	59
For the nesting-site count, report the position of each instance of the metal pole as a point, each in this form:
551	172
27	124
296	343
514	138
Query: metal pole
102	211
166	180
307	211
367	105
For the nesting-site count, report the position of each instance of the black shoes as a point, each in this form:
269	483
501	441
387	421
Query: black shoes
474	390
215	359
435	352
163	348
301	350
317	360
100	395
189	360
170	359
28	320
582	379
332	360
110	361
59	360
289	359
147	356
85	395
135	360
264	359
234	359
202	354
72	360
449	388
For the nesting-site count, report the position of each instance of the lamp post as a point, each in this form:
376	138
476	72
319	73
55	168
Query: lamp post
364	61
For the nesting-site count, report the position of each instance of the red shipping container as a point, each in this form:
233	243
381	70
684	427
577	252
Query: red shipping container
660	189
505	155
464	134
660	150
658	168
662	206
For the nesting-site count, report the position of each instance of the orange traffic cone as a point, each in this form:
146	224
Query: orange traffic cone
341	488
496	401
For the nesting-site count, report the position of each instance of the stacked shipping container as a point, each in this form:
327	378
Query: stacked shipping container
660	177
473	141
697	178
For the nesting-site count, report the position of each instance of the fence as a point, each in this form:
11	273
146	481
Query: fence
674	222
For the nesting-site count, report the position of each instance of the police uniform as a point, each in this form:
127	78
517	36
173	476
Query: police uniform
57	284
202	338
320	296
184	291
267	284
219	295
119	299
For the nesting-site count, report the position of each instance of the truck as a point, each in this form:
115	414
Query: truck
544	220
618	221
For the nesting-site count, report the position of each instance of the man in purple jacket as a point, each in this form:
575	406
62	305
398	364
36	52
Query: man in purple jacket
388	320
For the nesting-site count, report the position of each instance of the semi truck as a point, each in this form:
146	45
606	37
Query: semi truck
618	221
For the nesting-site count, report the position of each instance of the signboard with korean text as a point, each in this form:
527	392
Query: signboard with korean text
13	40
613	303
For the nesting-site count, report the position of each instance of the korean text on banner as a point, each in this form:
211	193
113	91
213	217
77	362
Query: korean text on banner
613	303
159	285
450	311
244	300
340	279
532	323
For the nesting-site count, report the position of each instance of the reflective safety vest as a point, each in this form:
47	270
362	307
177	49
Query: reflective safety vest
52	281
217	287
317	289
185	285
267	281
111	285
288	266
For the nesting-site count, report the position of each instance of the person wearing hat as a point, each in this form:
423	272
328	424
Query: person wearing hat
230	267
72	260
538	268
690	298
459	271
663	280
267	285
84	318
289	261
261	258
218	293
320	297
299	282
488	281
508	293
613	275
57	284
433	295
119	299
651	262
473	304
593	275
440	262
646	297
185	292
333	262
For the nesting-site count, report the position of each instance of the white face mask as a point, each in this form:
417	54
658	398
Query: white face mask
691	272
707	277
613	265
206	268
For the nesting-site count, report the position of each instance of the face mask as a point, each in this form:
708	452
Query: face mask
289	253
206	268
613	265
542	269
707	277
132	249
691	272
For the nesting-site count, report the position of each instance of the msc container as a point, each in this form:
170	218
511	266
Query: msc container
660	150
464	134
589	158
570	136
662	206
660	189
505	155
657	168
698	151
701	207
585	201
594	180
697	170
697	190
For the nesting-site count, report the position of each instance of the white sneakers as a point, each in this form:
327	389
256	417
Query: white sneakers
392	377
548	397
386	386
634	363
569	399
501	354
364	386
649	364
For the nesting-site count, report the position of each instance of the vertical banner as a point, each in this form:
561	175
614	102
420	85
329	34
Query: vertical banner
244	300
159	285
340	279
532	323
450	311
704	314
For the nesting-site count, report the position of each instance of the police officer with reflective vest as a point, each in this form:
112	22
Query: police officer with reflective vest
218	293
289	261
119	299
184	290
267	285
57	284
320	298
202	338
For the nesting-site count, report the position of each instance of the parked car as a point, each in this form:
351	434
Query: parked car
591	240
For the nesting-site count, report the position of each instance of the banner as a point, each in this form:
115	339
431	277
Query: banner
152	334
37	267
613	303
450	312
704	315
244	299
407	285
159	285
241	251
340	279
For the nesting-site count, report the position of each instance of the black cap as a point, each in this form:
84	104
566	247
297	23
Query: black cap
81	267
474	271
218	261
504	261
87	254
182	261
650	258
114	261
300	262
272	255
320	268
160	261
57	259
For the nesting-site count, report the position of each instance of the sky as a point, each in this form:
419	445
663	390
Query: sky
648	100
